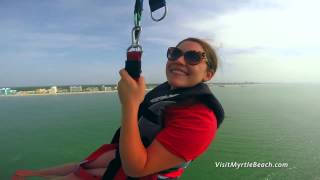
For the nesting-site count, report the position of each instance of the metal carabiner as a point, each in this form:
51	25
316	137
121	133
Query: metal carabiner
163	16
135	35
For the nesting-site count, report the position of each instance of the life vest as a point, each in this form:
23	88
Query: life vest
150	117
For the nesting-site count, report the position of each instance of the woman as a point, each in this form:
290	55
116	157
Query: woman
161	132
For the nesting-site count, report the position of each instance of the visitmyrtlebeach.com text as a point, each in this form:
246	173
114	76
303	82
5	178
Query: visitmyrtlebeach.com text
238	165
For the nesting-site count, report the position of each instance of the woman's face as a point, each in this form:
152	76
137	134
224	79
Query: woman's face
181	75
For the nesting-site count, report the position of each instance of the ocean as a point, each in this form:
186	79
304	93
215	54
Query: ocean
276	123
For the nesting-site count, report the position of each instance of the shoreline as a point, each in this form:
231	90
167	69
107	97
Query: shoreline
62	94
59	94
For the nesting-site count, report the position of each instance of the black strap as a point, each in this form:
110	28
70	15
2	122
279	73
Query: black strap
138	7
156	4
113	167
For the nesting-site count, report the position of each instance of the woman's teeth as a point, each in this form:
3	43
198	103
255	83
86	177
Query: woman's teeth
178	72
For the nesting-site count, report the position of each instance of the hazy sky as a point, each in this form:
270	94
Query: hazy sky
57	42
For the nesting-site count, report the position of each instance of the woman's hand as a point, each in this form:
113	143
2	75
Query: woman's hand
130	91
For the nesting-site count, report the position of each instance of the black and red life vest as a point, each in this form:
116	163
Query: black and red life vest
151	116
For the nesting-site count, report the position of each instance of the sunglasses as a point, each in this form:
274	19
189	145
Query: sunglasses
191	57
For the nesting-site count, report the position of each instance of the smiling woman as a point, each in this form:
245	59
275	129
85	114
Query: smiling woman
162	131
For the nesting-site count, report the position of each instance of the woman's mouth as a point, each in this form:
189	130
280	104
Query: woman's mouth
178	71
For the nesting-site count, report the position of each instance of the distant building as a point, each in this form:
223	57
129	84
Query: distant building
29	92
106	88
91	89
7	91
75	89
61	90
41	91
53	90
3	91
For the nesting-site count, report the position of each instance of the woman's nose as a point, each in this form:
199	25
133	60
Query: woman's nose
181	60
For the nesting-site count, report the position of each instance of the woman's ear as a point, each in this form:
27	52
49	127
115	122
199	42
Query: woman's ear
208	76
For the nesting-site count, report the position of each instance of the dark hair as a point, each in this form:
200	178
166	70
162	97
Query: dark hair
208	49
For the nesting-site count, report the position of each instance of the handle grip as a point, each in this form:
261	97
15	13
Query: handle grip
133	63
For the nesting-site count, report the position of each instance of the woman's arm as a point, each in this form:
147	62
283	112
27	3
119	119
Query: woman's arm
137	161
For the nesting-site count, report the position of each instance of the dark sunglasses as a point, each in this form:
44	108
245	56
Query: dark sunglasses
191	57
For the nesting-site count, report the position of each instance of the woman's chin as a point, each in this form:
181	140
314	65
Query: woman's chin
177	84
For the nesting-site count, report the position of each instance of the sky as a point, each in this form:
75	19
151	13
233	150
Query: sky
73	42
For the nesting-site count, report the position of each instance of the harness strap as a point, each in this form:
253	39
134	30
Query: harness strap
113	167
156	4
138	7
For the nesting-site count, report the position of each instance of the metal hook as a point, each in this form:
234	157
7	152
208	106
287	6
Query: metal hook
163	16
135	35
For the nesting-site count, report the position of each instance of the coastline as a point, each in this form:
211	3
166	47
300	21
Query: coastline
64	93
22	94
59	94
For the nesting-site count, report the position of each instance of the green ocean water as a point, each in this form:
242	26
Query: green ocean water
277	123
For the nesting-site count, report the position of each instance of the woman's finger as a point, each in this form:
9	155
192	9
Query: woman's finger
141	80
121	72
124	74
